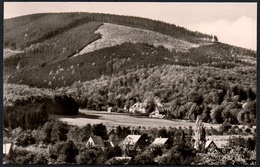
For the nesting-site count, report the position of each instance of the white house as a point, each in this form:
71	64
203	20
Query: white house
6	148
138	108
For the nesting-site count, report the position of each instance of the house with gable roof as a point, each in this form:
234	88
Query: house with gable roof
161	142
138	108
211	146
95	141
135	141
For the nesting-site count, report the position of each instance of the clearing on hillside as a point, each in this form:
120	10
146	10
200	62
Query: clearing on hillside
113	35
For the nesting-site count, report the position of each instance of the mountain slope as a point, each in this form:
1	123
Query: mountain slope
55	50
106	60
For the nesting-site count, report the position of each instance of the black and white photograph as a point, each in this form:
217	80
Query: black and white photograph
129	83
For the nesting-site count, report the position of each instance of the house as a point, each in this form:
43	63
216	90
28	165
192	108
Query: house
125	159
95	141
161	142
156	114
112	135
109	109
6	148
211	146
109	144
131	140
138	141
138	108
221	144
220	141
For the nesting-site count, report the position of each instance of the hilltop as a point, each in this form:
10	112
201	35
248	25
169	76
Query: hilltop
55	50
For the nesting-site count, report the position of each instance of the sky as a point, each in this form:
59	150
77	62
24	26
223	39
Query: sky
232	23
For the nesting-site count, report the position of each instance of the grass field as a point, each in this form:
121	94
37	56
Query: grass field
113	35
110	120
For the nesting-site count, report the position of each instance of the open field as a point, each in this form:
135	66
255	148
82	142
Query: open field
113	35
110	120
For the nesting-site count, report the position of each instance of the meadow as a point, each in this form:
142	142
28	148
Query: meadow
113	120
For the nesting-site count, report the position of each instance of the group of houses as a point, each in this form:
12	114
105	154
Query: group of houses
142	109
131	141
140	142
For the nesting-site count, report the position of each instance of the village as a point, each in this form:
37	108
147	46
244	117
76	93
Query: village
94	85
137	143
140	108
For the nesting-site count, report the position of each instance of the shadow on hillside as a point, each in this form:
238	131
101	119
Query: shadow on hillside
79	115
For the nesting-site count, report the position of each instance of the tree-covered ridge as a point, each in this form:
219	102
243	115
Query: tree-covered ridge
118	59
13	92
21	32
53	50
47	59
216	94
41	39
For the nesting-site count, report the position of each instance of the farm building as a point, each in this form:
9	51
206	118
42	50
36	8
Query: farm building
95	141
138	108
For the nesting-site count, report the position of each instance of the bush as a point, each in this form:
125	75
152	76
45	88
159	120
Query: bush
25	139
91	156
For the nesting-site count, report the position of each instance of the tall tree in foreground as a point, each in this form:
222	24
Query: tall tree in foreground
200	135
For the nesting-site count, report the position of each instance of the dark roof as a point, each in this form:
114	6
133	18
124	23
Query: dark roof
210	143
108	144
111	131
6	132
97	140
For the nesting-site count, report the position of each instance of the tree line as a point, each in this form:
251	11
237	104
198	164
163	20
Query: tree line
33	112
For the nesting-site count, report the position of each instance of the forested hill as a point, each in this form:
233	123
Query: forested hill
56	50
103	60
40	27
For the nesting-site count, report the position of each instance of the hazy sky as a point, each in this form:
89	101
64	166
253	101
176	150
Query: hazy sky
233	23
